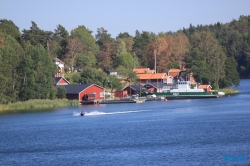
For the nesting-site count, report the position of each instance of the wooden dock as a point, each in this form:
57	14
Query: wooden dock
107	102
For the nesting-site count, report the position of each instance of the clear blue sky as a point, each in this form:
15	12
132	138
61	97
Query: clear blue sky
121	16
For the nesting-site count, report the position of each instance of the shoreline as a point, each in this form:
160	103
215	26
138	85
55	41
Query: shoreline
37	104
230	91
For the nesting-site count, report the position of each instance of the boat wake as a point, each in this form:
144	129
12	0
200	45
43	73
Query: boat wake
97	113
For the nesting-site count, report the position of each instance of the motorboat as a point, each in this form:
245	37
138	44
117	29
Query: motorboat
83	113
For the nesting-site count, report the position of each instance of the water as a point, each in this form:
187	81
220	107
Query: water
176	132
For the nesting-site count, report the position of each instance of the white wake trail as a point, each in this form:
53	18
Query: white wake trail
96	113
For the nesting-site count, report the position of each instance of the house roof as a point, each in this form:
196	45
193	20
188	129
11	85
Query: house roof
57	80
156	84
158	76
143	70
205	86
151	71
151	76
111	70
59	61
166	77
174	72
77	88
136	87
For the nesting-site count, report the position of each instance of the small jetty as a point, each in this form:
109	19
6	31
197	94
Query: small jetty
108	102
116	101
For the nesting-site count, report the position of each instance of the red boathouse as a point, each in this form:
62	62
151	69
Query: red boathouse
86	92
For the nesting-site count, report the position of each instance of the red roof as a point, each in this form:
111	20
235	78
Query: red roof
204	86
143	71
174	72
151	76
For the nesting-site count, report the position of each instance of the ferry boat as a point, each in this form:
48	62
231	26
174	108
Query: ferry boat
182	90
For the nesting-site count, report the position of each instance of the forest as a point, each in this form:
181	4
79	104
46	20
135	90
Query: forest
217	54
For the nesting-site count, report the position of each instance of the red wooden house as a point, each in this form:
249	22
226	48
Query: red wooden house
207	88
121	93
134	89
87	92
61	81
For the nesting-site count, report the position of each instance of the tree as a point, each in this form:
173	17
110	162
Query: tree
128	41
141	41
37	71
37	36
125	59
158	50
214	56
128	74
10	56
89	76
104	59
114	83
182	48
86	60
196	64
8	27
232	77
107	46
102	37
74	47
61	36
86	38
61	92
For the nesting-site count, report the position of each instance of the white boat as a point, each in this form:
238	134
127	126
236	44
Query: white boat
140	101
221	93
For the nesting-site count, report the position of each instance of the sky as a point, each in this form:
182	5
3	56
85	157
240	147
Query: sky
118	16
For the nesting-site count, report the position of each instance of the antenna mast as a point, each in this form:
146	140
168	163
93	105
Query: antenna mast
155	60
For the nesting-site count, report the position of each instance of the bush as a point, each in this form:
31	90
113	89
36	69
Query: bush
61	92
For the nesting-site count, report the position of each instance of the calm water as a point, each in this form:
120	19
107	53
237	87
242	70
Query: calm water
178	132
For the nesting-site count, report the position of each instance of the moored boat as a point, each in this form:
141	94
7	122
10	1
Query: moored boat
183	91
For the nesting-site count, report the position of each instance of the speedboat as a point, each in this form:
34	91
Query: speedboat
83	113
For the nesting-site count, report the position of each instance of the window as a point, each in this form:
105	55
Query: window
101	94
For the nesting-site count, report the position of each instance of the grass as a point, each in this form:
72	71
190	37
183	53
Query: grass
229	91
33	104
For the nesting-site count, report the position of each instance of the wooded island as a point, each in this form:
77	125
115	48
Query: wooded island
217	54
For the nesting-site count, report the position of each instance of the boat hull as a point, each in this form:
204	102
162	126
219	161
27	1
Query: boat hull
187	95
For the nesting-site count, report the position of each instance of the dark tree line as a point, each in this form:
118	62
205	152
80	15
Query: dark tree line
218	54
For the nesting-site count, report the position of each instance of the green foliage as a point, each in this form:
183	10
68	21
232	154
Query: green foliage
8	27
73	78
90	76
84	35
141	42
208	56
86	60
218	55
37	72
234	37
232	77
60	36
37	36
29	106
10	56
114	83
130	75
196	63
102	37
61	92
52	95
126	60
